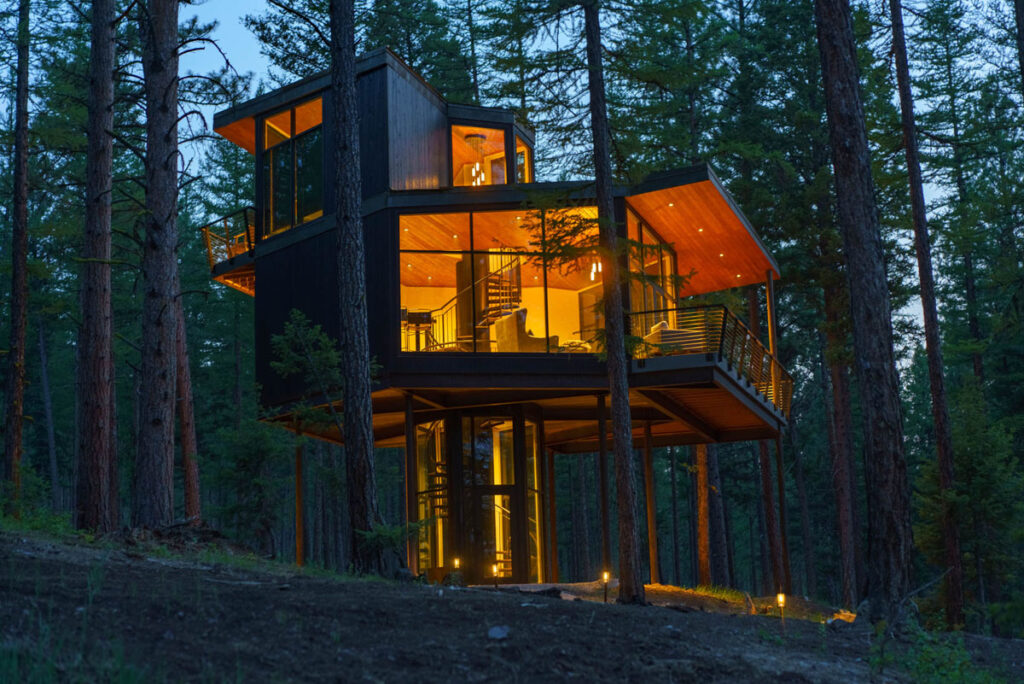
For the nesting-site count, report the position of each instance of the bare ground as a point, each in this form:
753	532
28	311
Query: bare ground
73	612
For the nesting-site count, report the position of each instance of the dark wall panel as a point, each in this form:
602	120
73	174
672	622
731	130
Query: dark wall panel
301	276
417	134
373	133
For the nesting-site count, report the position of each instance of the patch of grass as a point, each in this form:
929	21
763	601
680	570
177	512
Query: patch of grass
723	593
941	659
52	524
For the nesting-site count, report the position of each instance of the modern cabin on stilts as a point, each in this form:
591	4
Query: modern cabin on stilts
486	330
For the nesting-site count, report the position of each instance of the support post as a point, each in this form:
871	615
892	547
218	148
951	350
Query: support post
787	575
602	469
652	505
769	294
411	555
299	526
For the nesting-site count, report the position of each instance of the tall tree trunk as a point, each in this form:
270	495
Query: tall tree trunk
838	382
889	531
940	408
154	466
15	386
357	402
96	459
631	587
51	440
720	575
677	578
704	576
766	587
186	416
771	525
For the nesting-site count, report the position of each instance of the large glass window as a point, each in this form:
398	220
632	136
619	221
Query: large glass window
524	162
293	167
478	156
483	282
652	279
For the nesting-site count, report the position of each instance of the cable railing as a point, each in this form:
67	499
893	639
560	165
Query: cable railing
713	330
229	236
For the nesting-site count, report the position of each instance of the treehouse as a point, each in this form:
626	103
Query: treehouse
486	330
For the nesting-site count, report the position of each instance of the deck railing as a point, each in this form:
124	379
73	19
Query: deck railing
230	236
713	330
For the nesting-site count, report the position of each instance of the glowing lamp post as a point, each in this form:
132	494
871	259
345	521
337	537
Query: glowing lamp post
494	569
781	599
605	577
456	563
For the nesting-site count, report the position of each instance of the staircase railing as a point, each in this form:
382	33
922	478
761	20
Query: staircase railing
504	293
230	236
713	330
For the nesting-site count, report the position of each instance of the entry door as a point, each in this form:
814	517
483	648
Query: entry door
492	512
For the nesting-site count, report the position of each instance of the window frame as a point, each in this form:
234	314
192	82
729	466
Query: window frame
262	201
510	149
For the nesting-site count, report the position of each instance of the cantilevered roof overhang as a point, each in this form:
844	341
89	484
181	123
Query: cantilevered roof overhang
690	210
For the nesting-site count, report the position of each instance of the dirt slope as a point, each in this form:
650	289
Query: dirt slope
78	613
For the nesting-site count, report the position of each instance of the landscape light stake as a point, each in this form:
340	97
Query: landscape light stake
495	569
456	563
604	576
781	598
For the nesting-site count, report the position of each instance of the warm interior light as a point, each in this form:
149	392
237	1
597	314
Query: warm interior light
737	275
781	598
700	230
671	204
455	236
721	254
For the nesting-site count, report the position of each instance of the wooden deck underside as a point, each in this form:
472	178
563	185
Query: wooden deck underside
714	406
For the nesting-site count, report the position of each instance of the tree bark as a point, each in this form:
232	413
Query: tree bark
933	346
96	461
889	533
839	434
51	440
186	416
154	467
672	458
15	385
238	366
772	530
357	403
631	587
704	576
720	575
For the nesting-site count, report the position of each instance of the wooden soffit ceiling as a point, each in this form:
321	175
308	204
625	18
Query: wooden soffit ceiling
706	228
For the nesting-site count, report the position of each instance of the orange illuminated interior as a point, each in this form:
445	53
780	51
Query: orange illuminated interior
241	132
478	156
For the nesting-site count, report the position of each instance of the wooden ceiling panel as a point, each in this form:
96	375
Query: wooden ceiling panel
709	236
241	132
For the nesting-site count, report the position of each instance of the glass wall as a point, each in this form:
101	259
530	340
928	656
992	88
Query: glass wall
524	162
292	168
432	497
478	156
483	282
652	277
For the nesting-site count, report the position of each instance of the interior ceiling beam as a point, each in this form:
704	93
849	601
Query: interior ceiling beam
673	409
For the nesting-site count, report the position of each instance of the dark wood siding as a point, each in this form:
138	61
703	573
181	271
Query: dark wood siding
373	133
300	276
417	134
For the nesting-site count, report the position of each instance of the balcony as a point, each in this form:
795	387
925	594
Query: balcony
227	239
717	331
